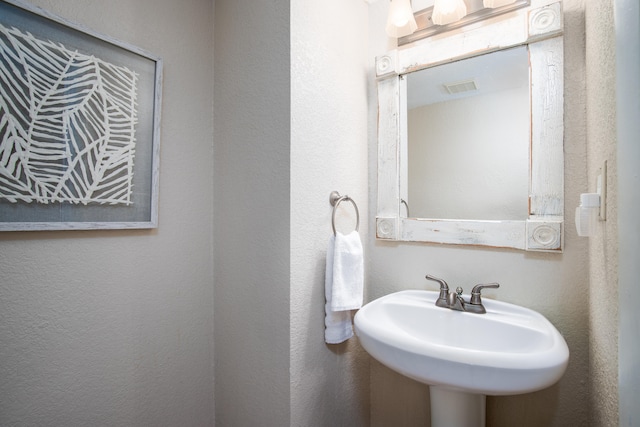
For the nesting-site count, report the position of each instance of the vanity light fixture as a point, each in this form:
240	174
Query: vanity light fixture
429	23
448	11
400	21
496	3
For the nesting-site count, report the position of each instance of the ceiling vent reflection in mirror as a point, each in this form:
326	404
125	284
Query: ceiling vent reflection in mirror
461	87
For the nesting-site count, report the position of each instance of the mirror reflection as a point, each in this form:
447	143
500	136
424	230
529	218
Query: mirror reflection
466	152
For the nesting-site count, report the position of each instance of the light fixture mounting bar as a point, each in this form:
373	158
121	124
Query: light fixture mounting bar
427	28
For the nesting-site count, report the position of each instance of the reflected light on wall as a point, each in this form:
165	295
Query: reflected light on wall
400	21
448	11
496	3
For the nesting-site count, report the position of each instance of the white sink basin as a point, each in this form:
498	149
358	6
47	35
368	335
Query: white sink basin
508	350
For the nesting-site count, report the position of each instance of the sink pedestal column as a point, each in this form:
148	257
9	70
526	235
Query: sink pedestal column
456	408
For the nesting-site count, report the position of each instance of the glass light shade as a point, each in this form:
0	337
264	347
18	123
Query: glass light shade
496	3
448	11
400	21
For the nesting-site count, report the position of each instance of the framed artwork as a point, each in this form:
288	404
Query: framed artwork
79	126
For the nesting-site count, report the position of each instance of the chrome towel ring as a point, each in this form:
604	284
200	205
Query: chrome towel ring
335	199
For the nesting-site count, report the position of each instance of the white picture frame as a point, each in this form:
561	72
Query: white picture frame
79	126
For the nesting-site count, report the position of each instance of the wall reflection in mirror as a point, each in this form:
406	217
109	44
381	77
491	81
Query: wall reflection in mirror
466	151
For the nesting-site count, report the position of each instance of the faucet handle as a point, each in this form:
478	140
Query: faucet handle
475	292
442	300
443	284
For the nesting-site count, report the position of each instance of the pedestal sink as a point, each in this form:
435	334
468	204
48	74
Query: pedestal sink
462	356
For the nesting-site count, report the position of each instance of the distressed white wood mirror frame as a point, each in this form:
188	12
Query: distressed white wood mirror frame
540	27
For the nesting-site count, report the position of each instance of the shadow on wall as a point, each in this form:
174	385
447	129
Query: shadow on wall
517	410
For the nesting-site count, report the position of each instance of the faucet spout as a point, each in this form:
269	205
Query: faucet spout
455	300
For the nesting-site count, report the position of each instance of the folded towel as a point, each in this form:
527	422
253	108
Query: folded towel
348	272
337	323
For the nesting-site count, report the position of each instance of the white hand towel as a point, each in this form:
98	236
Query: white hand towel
337	323
348	272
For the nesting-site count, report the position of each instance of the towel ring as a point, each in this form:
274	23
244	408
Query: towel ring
335	199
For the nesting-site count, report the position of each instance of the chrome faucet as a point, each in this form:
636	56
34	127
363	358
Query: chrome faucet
455	301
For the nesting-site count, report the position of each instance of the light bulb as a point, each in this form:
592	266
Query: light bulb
400	21
448	11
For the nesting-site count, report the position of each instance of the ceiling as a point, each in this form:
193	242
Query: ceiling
502	70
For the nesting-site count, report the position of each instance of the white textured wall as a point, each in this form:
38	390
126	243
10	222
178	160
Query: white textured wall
290	127
603	247
114	328
329	62
252	212
553	284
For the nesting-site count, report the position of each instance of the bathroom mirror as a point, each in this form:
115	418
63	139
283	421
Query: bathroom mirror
501	183
464	160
